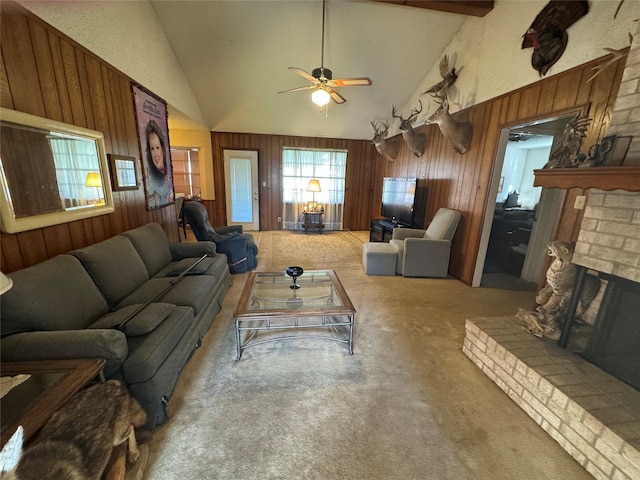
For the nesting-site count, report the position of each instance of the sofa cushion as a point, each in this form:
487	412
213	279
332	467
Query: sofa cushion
193	291
148	352
138	322
115	267
152	244
56	294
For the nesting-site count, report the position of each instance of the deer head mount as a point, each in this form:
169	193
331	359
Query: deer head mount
414	140
458	134
385	147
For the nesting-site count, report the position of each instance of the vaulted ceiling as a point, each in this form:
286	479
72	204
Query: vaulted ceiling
236	54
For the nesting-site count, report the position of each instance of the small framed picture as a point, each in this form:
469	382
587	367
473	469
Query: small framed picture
123	172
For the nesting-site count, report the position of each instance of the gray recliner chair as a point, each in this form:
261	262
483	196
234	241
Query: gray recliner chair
425	253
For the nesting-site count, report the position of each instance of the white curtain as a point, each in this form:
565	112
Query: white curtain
74	159
301	165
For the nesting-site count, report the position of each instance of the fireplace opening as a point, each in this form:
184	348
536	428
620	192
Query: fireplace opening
613	342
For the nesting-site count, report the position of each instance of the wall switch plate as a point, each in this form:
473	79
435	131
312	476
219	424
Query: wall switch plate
279	219
580	202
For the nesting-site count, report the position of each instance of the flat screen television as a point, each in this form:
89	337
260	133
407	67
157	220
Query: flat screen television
398	198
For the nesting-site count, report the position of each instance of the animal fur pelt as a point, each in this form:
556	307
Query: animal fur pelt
76	442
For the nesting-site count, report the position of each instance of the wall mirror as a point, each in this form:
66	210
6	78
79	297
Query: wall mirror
50	172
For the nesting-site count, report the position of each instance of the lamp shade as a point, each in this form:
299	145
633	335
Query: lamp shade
93	180
5	283
314	185
320	97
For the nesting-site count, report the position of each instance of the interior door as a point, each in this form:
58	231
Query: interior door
241	186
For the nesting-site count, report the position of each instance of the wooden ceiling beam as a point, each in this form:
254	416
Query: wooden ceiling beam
475	8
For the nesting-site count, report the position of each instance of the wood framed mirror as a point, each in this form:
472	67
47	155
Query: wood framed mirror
50	172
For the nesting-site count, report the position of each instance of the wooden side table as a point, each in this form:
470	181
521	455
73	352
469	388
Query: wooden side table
51	384
313	220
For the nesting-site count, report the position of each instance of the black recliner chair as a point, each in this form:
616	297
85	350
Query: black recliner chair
240	248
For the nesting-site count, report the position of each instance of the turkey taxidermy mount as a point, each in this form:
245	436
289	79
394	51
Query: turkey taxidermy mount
548	35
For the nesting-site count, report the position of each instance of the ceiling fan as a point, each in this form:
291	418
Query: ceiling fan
322	81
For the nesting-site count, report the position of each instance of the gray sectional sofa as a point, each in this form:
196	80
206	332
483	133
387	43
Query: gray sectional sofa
126	300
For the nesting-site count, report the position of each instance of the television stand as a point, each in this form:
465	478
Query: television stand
381	230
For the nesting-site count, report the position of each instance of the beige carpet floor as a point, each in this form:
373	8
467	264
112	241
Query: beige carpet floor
408	404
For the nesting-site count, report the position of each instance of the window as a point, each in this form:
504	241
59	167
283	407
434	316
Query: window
186	171
301	165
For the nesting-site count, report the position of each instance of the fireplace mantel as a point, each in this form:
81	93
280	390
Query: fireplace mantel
603	178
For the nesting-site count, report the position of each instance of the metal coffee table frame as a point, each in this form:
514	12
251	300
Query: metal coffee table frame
268	303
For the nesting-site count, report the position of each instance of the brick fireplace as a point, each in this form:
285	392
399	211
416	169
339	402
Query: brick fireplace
590	412
609	243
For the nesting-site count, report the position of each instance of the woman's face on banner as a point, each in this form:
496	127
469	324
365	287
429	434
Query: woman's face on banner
157	155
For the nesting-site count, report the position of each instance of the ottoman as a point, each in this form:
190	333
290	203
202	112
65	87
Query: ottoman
379	258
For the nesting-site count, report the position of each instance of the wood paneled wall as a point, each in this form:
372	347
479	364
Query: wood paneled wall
462	182
364	168
45	73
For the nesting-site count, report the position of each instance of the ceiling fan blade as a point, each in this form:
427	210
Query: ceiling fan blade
298	88
336	96
304	74
352	82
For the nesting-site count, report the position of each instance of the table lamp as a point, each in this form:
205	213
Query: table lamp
313	187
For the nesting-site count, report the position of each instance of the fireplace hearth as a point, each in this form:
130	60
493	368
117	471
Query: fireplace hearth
592	415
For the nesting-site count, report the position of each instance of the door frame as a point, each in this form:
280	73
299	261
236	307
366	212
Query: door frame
251	155
495	181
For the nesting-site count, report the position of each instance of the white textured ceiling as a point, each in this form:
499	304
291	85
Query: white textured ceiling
235	55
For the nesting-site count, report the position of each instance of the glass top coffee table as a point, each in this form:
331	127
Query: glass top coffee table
269	303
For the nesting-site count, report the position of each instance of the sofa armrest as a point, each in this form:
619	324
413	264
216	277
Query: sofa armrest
402	233
191	250
67	344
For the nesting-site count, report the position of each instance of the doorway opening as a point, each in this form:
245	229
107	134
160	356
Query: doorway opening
520	218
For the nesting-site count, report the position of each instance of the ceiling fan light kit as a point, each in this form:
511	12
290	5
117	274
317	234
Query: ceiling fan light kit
321	79
320	97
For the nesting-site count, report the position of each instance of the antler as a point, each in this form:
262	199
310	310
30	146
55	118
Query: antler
441	99
393	113
377	128
415	112
616	55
